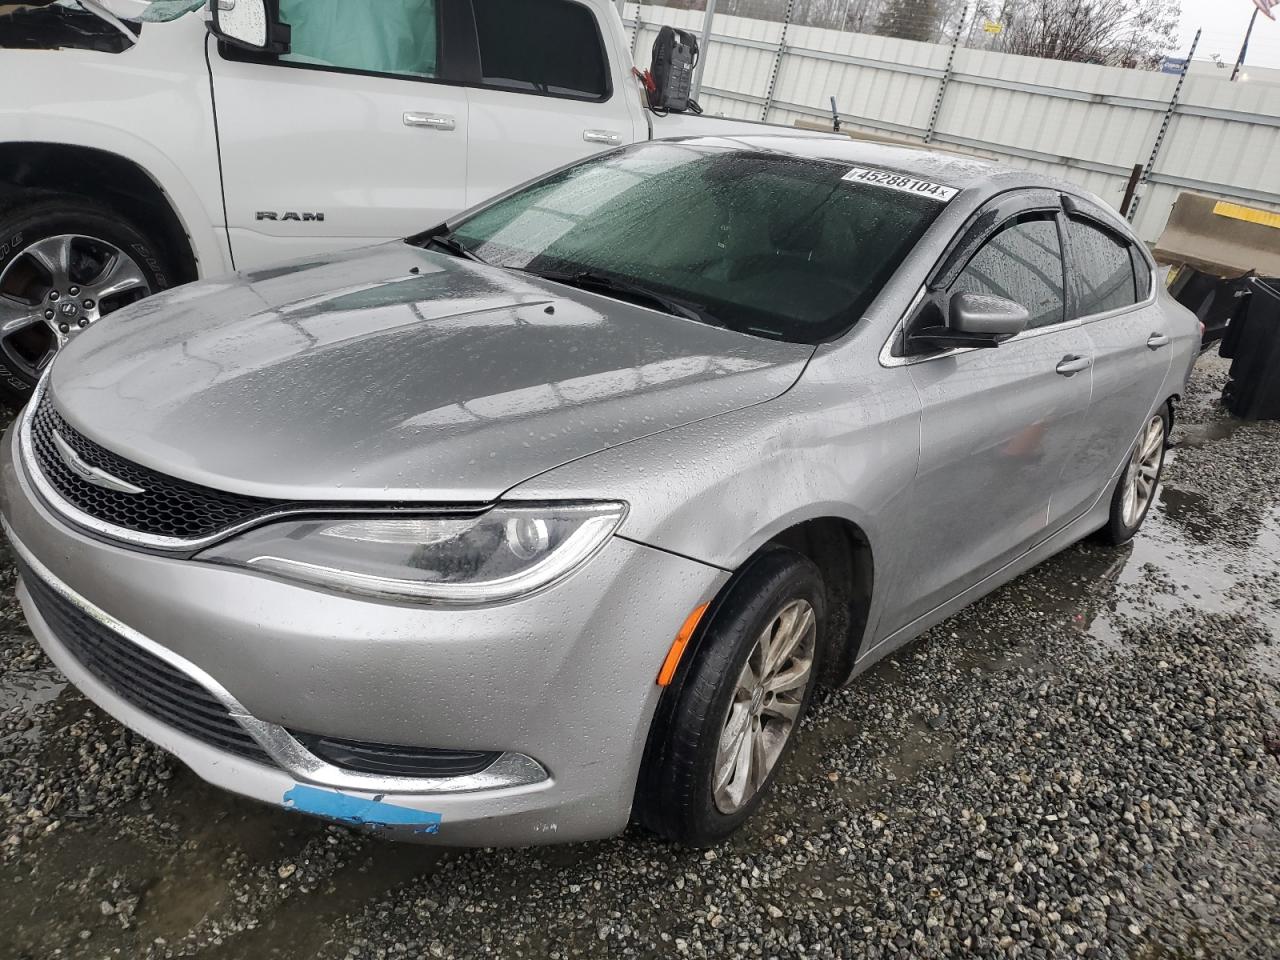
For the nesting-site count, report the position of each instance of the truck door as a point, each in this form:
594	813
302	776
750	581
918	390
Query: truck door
547	95
358	134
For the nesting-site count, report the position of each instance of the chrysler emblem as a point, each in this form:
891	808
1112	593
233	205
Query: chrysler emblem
88	472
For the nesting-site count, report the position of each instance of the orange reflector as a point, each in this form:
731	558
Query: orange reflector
669	665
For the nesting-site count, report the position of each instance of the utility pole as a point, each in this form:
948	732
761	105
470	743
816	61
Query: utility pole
1150	168
1244	47
704	41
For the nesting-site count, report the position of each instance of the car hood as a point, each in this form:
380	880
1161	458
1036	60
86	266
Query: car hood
393	373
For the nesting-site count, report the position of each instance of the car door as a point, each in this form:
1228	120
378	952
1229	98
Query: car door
358	134
1111	291
999	424
539	105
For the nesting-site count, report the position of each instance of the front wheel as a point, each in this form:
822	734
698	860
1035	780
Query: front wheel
715	753
64	263
1136	490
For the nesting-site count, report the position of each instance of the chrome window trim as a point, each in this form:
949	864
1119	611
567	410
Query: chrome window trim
509	770
887	358
157	542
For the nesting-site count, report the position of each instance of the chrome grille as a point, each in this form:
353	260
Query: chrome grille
139	677
167	507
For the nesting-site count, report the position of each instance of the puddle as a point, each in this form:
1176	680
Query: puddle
1199	434
28	690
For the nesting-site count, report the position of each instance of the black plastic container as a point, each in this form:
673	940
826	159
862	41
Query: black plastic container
1216	301
1253	346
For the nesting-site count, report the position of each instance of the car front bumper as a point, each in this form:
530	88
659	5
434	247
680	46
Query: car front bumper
561	684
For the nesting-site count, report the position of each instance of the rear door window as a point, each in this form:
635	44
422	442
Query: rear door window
1101	269
1022	263
570	63
396	37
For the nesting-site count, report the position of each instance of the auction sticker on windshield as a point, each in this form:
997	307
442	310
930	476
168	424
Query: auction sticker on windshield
898	181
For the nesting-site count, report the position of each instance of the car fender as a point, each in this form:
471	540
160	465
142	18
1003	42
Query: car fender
837	445
164	126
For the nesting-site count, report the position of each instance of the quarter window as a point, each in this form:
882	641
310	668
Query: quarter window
1022	263
374	36
571	66
1142	273
1102	269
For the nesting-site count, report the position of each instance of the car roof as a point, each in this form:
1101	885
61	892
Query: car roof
924	162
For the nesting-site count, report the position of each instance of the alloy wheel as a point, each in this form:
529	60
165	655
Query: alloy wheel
765	707
1143	472
57	287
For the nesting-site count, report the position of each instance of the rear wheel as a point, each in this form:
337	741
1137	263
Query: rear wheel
715	751
1136	491
64	264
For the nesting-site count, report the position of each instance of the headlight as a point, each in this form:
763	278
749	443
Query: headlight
507	552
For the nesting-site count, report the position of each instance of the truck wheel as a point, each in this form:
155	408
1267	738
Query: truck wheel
65	262
715	749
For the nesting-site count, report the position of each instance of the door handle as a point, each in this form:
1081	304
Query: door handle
602	136
1157	340
432	121
1073	364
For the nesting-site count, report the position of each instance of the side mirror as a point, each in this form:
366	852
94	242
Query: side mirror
252	24
975	320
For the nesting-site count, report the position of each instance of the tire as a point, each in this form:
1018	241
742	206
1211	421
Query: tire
677	798
100	236
1124	522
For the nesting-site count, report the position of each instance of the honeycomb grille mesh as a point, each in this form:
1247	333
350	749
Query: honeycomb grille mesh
167	506
139	677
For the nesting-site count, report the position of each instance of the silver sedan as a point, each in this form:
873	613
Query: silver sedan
553	518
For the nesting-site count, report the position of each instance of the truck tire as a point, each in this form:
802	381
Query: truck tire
65	262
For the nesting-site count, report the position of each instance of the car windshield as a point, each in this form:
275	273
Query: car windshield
764	243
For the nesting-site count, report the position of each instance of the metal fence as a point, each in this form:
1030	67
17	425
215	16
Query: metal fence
1088	124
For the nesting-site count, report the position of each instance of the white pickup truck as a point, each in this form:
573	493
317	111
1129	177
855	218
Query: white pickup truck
143	145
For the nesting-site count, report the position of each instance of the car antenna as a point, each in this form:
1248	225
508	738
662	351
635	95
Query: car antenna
835	117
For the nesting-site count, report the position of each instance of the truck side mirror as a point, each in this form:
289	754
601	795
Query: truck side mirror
252	24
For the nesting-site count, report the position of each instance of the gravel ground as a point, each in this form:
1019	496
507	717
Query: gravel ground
1083	764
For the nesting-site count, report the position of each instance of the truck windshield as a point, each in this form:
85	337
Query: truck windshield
763	243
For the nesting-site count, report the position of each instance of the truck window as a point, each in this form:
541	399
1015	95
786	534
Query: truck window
400	37
571	65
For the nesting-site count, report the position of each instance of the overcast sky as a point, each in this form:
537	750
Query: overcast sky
1224	23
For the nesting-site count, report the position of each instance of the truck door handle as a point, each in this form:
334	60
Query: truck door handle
1157	340
602	136
1073	364
432	121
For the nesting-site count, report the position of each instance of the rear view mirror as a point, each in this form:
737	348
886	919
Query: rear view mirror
984	315
975	320
251	24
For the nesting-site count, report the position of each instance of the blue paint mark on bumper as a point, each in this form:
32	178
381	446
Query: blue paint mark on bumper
359	810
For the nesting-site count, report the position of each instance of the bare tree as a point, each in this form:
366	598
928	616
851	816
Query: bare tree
1121	33
911	19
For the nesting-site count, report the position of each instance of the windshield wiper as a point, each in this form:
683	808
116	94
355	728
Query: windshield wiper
629	290
446	242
